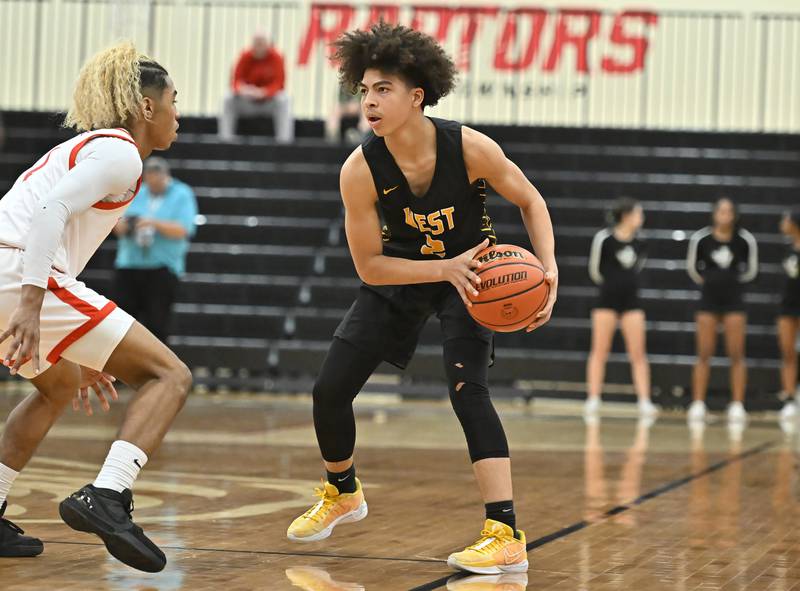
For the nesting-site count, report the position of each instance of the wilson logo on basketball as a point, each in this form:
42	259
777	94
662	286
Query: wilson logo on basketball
509	312
506	279
496	255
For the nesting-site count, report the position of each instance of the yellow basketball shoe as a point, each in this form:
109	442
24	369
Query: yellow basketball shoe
332	509
310	578
496	551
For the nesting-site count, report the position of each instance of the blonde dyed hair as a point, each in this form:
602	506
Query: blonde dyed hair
108	90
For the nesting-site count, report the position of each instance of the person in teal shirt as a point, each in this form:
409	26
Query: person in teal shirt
154	238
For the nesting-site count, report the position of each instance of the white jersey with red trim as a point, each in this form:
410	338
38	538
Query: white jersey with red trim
74	176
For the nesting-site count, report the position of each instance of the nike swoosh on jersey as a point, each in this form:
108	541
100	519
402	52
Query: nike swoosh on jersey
389	190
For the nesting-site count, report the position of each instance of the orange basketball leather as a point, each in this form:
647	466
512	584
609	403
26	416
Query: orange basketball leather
512	289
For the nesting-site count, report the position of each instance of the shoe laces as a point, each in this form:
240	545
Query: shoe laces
127	503
321	508
489	541
11	525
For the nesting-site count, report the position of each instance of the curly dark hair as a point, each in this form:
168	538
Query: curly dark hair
395	49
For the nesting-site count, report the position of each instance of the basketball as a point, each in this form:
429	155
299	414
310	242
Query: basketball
512	289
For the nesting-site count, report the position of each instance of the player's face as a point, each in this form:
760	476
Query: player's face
387	101
260	45
724	214
164	117
636	217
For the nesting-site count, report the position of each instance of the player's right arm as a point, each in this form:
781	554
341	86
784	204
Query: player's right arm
691	256
596	255
107	166
363	229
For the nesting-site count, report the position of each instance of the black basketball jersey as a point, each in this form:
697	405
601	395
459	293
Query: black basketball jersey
791	269
614	264
448	219
722	265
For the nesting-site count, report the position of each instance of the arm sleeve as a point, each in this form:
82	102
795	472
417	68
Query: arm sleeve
106	166
595	255
691	259
752	257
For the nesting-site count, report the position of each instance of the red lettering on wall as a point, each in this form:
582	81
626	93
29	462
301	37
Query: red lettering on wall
590	19
473	15
382	12
571	30
508	38
318	31
444	19
638	44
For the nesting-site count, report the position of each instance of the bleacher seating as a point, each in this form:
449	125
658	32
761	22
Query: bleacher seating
269	274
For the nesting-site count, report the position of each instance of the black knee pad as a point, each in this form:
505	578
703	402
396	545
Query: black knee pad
466	364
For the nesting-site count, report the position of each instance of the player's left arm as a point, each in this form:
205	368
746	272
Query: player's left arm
485	159
751	271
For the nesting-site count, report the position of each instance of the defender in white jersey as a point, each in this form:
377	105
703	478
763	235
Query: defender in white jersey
66	338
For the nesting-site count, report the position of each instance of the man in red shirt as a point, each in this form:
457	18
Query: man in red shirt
257	88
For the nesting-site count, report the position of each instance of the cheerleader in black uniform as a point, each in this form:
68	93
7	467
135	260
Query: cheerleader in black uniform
789	318
615	262
722	259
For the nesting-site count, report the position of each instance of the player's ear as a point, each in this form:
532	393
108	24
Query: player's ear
418	95
148	108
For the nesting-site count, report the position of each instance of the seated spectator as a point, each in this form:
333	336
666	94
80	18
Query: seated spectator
153	241
257	88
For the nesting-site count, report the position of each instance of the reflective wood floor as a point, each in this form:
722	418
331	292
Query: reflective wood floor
611	505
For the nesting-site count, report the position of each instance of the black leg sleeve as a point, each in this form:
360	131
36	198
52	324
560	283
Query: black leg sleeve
466	363
343	374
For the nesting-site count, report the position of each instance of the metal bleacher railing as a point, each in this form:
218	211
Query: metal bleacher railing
658	68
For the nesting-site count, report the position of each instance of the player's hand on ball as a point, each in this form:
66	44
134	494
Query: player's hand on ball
459	272
551	276
97	381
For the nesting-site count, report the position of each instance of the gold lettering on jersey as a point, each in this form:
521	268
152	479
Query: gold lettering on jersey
432	224
448	213
420	219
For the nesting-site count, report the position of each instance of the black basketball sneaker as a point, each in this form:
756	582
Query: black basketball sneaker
107	513
12	543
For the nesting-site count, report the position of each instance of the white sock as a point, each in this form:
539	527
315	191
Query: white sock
121	467
7	476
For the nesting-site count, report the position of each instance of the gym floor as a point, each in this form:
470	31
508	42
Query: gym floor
615	504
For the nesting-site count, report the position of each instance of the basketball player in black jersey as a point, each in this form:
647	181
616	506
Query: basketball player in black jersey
428	179
789	317
722	259
616	260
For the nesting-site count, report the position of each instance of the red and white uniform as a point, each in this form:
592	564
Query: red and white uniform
52	221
